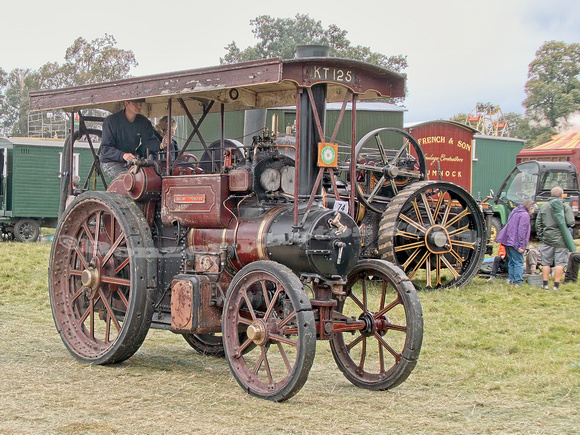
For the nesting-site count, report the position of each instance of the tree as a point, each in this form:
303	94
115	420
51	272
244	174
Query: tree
280	37
553	86
3	82
460	117
14	105
85	62
96	61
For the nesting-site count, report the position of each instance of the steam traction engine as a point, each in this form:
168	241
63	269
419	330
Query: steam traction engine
236	249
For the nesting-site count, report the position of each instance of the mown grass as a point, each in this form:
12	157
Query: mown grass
495	359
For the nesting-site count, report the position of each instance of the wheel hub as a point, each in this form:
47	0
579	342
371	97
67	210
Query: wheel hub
382	324
257	332
437	240
91	277
391	171
369	328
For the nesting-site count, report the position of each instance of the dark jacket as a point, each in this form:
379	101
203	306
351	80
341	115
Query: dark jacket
547	227
121	136
174	146
516	232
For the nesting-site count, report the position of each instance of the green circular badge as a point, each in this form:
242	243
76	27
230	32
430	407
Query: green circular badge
328	155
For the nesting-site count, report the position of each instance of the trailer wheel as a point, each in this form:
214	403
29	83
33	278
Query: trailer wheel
384	354
26	230
266	302
435	232
98	278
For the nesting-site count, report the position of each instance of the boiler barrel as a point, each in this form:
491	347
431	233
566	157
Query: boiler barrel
328	243
330	250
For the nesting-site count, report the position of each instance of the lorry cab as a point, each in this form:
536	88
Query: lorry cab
534	180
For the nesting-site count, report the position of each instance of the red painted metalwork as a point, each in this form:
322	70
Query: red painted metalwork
195	201
448	150
352	175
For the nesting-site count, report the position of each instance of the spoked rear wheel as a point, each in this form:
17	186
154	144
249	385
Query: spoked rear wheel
267	304
384	353
435	232
98	278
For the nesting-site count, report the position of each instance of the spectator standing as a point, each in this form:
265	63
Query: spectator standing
552	227
515	237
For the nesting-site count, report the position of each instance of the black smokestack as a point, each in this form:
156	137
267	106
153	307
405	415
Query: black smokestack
309	136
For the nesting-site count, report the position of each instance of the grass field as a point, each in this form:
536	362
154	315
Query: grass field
495	359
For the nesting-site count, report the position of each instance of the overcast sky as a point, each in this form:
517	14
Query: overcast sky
459	52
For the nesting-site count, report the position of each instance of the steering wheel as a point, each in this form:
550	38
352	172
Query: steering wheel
522	196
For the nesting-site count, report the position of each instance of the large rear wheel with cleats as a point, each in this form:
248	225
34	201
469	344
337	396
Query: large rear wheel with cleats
384	353
98	278
435	232
269	331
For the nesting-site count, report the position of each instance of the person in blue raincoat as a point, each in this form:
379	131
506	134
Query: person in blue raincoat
515	237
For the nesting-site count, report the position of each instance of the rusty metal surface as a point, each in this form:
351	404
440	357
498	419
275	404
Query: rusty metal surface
195	200
193	305
240	180
362	78
257	84
182	305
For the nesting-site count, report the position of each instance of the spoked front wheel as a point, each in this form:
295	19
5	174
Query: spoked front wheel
384	353
269	331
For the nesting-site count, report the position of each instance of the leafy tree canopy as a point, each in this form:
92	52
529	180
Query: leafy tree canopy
553	86
85	62
553	94
279	37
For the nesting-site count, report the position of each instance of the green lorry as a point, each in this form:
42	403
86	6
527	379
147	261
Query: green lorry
534	180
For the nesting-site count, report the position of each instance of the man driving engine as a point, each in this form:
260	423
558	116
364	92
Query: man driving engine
127	135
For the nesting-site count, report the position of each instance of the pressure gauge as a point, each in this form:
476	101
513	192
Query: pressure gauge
287	179
270	180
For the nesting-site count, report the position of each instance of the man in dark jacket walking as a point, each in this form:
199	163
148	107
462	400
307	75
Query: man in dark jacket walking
515	237
552	223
